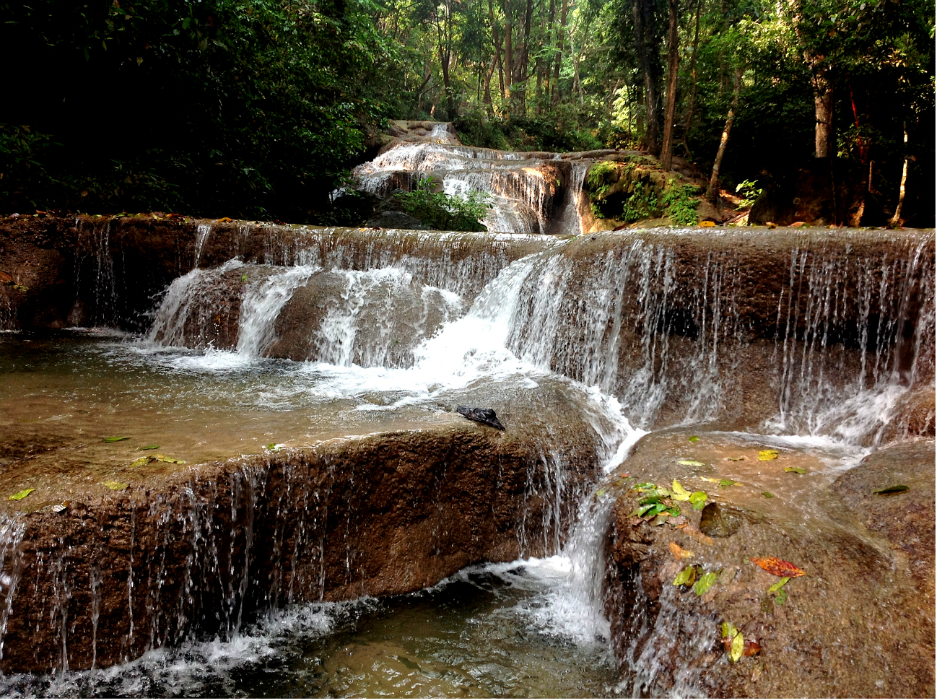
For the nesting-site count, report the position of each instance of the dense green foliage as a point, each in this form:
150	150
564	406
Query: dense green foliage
254	108
442	212
222	107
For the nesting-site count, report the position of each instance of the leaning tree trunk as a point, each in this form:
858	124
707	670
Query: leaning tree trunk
666	155
712	193
895	222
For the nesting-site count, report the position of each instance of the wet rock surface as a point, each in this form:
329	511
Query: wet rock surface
191	550
485	416
856	624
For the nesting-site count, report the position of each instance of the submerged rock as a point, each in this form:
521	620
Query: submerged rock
485	416
719	521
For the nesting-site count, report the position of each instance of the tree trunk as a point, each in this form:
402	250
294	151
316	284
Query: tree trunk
558	61
712	193
648	60
508	52
896	221
666	155
825	140
695	83
497	50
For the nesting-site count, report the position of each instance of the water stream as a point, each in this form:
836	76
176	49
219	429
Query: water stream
245	356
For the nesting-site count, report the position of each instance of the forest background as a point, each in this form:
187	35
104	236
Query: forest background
257	109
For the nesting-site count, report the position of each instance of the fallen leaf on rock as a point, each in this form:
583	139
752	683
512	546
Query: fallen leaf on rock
680	493
734	458
706	224
679	553
149	447
115	485
767	495
778	567
751	648
697	535
737	647
21	494
694	438
795	469
797	224
690	462
149	458
705	582
686	576
727	483
224	220
55	508
776	586
892	490
600	493
111	440
767	454
697	499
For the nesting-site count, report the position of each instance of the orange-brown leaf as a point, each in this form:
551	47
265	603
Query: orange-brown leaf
751	647
697	535
779	567
679	552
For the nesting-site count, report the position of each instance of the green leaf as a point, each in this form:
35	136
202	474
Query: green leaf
168	459
704	583
780	598
690	462
777	586
693	438
601	493
21	494
892	490
149	447
697	499
684	575
737	647
726	483
767	495
767	454
111	440
142	461
679	493
728	630
642	486
794	469
114	485
674	511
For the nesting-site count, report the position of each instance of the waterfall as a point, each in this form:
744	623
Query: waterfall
522	187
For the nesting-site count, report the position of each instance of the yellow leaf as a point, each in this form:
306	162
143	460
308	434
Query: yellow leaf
680	493
737	647
706	224
114	485
21	494
767	454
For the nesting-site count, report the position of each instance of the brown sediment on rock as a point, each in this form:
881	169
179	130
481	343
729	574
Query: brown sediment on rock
844	627
198	550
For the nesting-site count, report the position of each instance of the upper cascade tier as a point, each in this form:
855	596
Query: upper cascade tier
529	192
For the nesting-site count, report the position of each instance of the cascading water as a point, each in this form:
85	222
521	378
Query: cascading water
652	328
522	188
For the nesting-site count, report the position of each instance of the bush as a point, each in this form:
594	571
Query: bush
443	212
